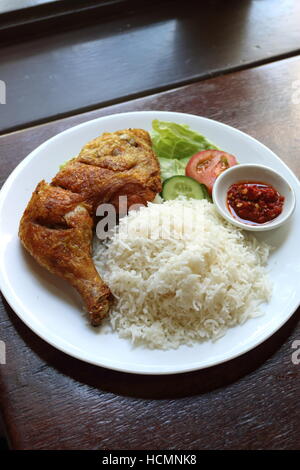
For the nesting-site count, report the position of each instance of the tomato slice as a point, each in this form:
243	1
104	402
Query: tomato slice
206	166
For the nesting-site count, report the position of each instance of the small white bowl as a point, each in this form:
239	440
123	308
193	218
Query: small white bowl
254	173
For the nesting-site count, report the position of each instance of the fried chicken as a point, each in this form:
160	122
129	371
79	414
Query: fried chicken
57	225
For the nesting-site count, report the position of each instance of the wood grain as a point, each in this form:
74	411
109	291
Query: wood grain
32	18
73	69
52	401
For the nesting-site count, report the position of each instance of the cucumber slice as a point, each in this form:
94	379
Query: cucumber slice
183	186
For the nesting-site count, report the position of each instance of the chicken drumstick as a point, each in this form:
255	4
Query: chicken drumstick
57	225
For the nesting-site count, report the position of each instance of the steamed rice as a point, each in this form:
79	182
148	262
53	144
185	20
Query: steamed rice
180	274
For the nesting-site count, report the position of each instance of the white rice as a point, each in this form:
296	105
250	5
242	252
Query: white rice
181	274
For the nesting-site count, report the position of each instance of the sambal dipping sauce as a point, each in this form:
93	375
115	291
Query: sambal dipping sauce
254	202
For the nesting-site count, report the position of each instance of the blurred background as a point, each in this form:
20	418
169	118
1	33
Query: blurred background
60	57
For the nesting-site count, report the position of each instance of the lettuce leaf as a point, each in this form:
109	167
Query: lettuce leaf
172	167
177	141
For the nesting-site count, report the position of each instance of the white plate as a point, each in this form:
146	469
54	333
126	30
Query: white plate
53	310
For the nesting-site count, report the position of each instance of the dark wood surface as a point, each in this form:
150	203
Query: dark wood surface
78	67
52	401
7	6
20	19
16	6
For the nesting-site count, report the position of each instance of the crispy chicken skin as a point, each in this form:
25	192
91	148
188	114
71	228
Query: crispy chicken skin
57	225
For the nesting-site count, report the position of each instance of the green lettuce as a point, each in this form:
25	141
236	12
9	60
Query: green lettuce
174	144
172	167
171	140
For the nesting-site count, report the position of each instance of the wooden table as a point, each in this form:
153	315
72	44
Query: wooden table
85	62
52	401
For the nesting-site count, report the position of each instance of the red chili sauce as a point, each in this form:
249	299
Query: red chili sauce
254	202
